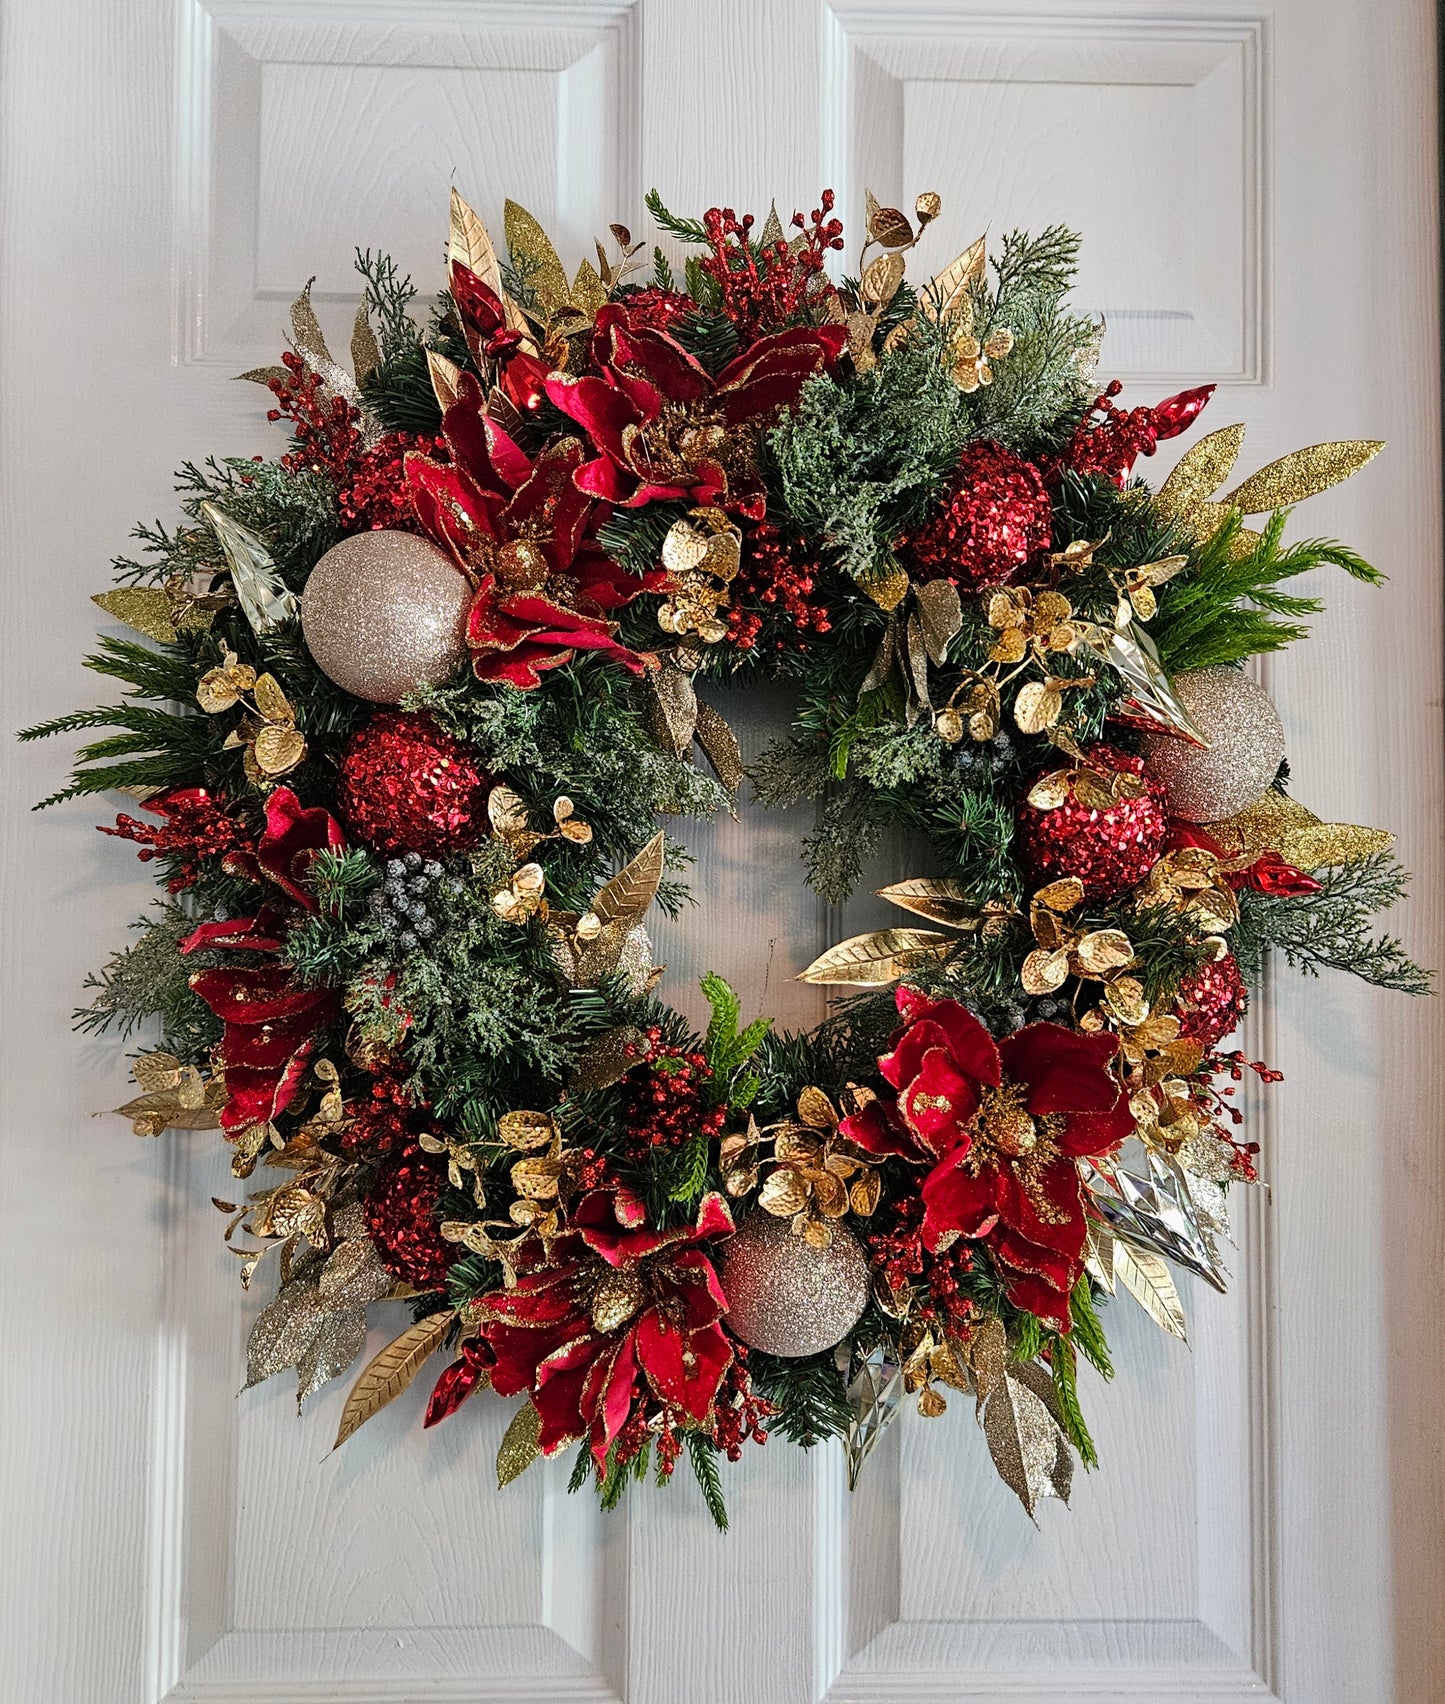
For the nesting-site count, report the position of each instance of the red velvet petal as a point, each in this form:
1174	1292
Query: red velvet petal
877	1129
954	1201
1063	1070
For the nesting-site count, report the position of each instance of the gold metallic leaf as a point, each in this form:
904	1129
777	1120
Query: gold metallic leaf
939	901
446	378
816	1110
1200	471
628	894
783	1193
1062	895
527	1132
271	702
1302	474
876	959
1144	1275
1037	706
390	1371
531	247
1099	1255
1103	950
519	1447
881	279
506	811
948	293
887	584
1044	970
468	243
279	750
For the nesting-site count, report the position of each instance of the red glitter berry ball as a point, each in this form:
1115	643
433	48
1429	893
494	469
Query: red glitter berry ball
656	308
1108	850
1211	1001
996	515
407	786
401	1217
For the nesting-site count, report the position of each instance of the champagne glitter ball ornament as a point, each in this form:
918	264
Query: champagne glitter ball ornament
1246	746
786	1297
384	613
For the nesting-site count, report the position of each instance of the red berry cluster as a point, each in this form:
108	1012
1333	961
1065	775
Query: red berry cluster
371	487
776	575
386	1122
657	309
197	827
903	1261
1108	440
739	1412
664	1106
764	289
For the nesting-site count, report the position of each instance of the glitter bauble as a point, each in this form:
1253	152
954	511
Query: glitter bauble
1246	746
786	1297
1211	1001
996	515
401	1219
405	785
1109	850
384	613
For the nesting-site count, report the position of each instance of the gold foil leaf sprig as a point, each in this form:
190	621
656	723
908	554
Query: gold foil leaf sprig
701	554
1187	495
267	733
816	1175
173	1096
391	1370
884	956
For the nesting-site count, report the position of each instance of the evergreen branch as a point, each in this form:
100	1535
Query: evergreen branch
1065	1367
702	1453
808	1393
685	230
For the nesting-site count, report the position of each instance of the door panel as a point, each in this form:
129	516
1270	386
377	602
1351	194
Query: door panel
1257	194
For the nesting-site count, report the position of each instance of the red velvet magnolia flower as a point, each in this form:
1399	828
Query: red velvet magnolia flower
1001	1125
523	532
662	426
271	1021
612	1314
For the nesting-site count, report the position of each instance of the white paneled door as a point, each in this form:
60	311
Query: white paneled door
1257	186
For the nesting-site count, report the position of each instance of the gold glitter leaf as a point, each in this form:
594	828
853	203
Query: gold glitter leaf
531	246
148	610
1145	1276
390	1371
876	959
940	615
1027	1443
1302	474
939	901
672	709
887	585
617	1297
526	1131
365	350
1200	472
1277	823
469	244
519	1447
629	893
1102	950
271	702
720	747
1044	971
588	291
607	1060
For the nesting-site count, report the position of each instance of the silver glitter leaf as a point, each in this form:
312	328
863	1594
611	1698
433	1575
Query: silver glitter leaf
1025	1439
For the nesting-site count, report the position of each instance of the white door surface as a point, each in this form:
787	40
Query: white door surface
1257	187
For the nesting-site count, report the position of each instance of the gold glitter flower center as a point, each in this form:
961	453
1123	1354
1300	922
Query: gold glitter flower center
1004	1134
1004	1124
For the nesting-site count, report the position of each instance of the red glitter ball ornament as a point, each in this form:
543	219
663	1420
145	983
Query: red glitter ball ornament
407	786
401	1217
1211	1001
1108	850
996	515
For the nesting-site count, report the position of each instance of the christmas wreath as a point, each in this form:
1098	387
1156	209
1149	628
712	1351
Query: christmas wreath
405	707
